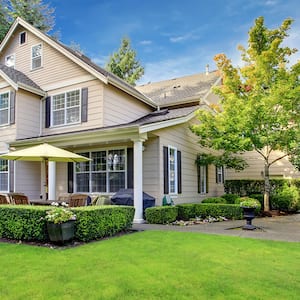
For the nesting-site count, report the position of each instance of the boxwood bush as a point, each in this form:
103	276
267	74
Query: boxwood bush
214	200
25	222
230	198
229	211
161	214
186	211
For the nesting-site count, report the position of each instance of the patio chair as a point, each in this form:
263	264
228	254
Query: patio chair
4	199
78	200
19	199
64	197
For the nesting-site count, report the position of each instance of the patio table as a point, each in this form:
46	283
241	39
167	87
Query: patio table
45	202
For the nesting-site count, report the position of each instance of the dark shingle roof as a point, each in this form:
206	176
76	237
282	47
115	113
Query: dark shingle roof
165	115
180	90
18	77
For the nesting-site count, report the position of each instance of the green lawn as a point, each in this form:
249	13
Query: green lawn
153	265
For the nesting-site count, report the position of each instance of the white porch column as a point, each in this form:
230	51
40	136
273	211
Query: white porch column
51	180
138	180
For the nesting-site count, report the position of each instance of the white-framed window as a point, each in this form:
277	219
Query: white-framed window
105	172
10	60
66	108
220	174
4	108
172	155
4	172
203	179
22	38
36	56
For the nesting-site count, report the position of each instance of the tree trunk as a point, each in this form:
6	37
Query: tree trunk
267	188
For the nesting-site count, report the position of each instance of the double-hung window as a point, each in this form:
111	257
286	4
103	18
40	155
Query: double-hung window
203	179
4	109
105	172
219	174
66	108
36	56
172	170
4	175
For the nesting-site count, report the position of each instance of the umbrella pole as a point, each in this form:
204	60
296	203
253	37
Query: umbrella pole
46	177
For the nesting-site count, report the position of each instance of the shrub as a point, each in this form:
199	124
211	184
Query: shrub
186	211
94	222
287	199
245	199
229	211
230	198
259	197
161	214
25	222
214	200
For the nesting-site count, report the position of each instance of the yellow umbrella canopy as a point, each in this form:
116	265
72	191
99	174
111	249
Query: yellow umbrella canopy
44	152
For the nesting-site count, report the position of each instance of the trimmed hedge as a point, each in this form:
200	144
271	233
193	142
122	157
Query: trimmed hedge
161	214
245	187
97	222
188	211
214	200
25	222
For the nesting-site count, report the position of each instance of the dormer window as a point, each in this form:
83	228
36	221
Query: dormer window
36	56
10	60
22	38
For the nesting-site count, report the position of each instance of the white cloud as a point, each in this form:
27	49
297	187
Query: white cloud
145	42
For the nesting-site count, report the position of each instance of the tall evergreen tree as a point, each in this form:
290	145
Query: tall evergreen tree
4	22
124	64
259	102
35	12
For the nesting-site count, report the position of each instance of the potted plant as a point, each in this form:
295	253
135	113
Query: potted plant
60	223
249	206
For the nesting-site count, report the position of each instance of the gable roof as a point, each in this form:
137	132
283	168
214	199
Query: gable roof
182	90
19	80
83	61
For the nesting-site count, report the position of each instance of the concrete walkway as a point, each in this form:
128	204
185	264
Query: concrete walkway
279	228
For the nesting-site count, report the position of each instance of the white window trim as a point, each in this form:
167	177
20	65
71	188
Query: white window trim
65	111
8	109
175	192
14	55
31	58
106	171
21	44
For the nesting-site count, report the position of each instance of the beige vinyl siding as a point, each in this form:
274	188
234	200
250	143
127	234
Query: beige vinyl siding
184	140
282	168
28	178
55	66
121	108
95	108
151	170
61	178
27	115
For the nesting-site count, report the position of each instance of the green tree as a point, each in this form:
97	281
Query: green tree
35	12
259	102
124	64
4	22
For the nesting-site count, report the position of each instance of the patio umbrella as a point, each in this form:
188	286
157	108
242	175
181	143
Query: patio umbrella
44	153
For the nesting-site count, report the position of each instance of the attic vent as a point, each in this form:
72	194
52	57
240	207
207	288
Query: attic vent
159	112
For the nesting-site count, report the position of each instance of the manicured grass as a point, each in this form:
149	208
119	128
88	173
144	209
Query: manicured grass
153	265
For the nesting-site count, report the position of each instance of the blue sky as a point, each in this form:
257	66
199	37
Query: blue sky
173	38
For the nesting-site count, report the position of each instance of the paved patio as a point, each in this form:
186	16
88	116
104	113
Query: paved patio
279	228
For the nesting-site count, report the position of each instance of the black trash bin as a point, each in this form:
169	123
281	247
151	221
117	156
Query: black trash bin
125	197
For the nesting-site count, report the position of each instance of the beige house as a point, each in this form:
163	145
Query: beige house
136	137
